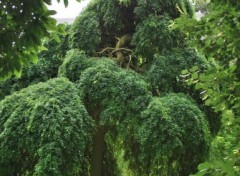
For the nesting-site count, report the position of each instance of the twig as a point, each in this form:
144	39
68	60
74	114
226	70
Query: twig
108	48
119	49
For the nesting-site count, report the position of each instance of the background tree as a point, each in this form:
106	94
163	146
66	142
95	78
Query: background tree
23	25
219	81
46	68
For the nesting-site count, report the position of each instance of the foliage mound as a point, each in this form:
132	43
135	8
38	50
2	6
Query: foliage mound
154	36
77	61
161	7
44	130
163	74
89	24
174	136
118	93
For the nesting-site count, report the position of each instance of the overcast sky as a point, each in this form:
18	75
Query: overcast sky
73	9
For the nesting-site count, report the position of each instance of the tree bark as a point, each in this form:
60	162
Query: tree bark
97	151
98	144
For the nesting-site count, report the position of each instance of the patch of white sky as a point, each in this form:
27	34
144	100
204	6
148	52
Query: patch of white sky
71	11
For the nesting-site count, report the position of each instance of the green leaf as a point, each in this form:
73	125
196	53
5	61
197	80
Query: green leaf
48	2
32	57
61	28
51	12
18	73
42	48
56	37
194	68
208	102
195	75
198	86
184	72
66	3
204	166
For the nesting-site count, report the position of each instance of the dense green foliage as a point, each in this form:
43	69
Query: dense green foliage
104	86
172	8
154	36
45	69
175	131
23	25
90	30
74	64
216	36
163	73
99	115
44	130
14	23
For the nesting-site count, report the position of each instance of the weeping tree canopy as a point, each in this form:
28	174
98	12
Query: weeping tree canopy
164	72
89	24
102	21
172	137
76	62
173	8
115	91
154	36
43	130
128	104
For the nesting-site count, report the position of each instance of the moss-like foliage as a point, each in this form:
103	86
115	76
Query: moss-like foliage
117	92
44	130
100	23
162	7
163	73
45	69
174	137
85	33
154	36
110	10
77	61
104	20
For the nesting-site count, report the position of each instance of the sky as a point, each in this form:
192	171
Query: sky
72	11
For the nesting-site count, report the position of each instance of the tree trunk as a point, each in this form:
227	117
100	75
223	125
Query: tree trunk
98	146
97	151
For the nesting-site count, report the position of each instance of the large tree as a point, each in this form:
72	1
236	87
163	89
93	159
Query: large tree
121	72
